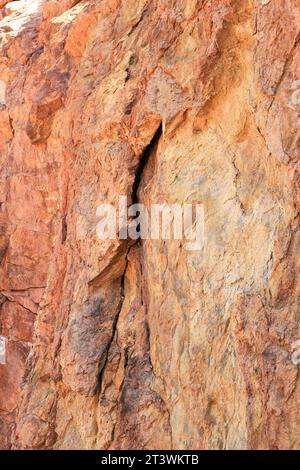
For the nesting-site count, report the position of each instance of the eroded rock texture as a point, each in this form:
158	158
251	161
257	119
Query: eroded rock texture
114	345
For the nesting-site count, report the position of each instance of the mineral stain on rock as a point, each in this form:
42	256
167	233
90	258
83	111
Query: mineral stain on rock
111	344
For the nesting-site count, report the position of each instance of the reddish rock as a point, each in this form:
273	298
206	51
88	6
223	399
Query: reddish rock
113	344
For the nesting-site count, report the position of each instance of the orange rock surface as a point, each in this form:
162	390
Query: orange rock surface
120	345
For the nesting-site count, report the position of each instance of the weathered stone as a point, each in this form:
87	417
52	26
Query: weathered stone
119	345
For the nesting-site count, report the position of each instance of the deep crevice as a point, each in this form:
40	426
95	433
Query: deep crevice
151	147
143	162
114	327
64	229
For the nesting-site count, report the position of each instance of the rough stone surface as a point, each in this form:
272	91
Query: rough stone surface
118	346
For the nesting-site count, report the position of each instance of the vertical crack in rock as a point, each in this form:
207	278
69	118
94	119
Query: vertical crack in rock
114	326
137	392
135	368
134	197
143	162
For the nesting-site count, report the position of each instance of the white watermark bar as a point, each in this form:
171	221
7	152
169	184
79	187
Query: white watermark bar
294	97
3	341
2	92
296	352
158	222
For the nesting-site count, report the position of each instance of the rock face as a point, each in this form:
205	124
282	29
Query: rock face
118	345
